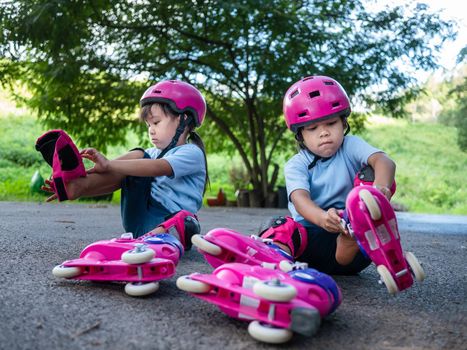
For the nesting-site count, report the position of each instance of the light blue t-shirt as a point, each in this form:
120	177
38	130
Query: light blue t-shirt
183	190
329	181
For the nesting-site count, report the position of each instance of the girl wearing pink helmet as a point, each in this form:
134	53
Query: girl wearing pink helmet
321	174
158	182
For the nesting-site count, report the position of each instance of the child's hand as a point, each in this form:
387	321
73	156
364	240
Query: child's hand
101	163
331	221
48	187
384	190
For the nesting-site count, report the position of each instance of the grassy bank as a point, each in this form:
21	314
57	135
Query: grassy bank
430	167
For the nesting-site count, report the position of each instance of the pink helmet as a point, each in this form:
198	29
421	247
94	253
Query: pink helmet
313	99
182	97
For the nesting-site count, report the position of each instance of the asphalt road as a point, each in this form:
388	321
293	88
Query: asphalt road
39	311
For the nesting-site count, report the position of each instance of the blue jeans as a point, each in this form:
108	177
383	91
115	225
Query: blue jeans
140	212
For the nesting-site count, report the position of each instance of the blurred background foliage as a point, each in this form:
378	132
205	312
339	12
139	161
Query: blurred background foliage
83	65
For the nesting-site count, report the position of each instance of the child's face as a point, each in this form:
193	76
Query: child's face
161	127
324	138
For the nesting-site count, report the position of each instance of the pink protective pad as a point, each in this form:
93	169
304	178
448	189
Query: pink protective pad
289	232
183	224
61	154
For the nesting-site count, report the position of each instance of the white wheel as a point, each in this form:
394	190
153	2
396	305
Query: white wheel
286	266
370	204
387	279
271	290
415	266
269	334
140	255
66	271
141	289
189	285
206	246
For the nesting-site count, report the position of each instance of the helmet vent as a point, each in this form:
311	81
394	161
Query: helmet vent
335	104
328	83
156	91
307	78
301	115
314	93
293	94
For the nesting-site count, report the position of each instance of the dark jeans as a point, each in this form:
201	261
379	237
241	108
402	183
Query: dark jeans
320	254
140	212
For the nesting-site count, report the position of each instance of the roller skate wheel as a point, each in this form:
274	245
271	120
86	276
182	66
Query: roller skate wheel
269	334
190	285
387	279
141	289
61	271
415	266
139	255
274	290
205	246
370	204
286	266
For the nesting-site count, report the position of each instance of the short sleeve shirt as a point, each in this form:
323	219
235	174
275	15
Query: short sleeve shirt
184	189
329	180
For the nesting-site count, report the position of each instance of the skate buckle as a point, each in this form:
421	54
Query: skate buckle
299	265
251	252
127	235
401	273
268	265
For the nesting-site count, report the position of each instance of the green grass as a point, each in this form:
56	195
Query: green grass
430	167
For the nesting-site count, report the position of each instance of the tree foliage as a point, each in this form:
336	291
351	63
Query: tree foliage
87	62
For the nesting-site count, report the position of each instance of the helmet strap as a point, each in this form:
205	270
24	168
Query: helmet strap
180	129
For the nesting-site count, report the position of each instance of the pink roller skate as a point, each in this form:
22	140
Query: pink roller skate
222	245
61	154
371	220
277	303
141	262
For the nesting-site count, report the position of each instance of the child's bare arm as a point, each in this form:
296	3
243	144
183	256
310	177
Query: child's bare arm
329	220
385	170
130	164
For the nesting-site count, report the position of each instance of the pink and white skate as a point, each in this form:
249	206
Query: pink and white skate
140	262
222	245
275	302
372	221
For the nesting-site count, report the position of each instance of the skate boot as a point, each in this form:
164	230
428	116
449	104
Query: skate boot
61	154
140	263
372	222
221	245
275	303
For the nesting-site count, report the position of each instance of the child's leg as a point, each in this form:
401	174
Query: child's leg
140	213
346	249
321	253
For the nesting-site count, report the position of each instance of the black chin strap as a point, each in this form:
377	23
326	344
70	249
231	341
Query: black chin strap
315	160
178	132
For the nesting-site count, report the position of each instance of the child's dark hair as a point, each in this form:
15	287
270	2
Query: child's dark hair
193	136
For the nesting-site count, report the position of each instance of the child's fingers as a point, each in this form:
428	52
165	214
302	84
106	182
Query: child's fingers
47	189
51	198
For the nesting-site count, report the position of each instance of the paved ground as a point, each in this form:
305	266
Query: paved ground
39	311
